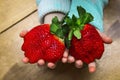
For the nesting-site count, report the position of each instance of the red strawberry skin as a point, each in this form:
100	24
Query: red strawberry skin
39	43
55	50
89	47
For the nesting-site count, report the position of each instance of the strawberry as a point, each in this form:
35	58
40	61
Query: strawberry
89	47
84	42
32	41
42	42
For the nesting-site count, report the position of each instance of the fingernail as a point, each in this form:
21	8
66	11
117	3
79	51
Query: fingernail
25	60
92	69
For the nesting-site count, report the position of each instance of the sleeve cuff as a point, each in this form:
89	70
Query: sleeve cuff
95	8
48	6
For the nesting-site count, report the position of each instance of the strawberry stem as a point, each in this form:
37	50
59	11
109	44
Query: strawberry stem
68	27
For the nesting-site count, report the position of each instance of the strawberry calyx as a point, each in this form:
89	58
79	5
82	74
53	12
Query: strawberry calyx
59	28
56	28
67	27
76	24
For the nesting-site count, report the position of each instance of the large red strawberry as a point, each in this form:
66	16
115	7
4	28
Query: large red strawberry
40	43
89	47
84	40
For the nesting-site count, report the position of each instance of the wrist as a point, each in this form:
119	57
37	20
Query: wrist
48	18
62	6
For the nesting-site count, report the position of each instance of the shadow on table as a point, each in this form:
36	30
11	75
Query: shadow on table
33	72
114	30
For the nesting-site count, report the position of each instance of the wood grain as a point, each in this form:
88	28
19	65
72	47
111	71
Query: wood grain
12	11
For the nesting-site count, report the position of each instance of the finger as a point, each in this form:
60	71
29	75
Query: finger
92	67
65	56
51	65
105	38
64	60
41	62
78	64
25	60
65	53
23	33
71	59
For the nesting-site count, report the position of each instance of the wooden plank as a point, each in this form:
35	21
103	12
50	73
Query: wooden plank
13	11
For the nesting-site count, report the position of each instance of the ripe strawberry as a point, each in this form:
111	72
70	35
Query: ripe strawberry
39	43
84	42
89	47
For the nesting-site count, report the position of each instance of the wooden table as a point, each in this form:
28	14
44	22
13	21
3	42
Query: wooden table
11	67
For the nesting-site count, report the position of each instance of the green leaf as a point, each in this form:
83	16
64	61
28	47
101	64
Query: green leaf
74	18
63	19
59	33
78	21
87	18
68	21
81	11
53	28
77	33
70	35
55	20
84	17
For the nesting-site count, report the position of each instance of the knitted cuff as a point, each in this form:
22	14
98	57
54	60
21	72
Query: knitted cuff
48	6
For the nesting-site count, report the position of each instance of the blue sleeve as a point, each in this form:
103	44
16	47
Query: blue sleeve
37	2
48	6
95	7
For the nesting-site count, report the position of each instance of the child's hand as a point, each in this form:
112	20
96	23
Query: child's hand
68	58
92	65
